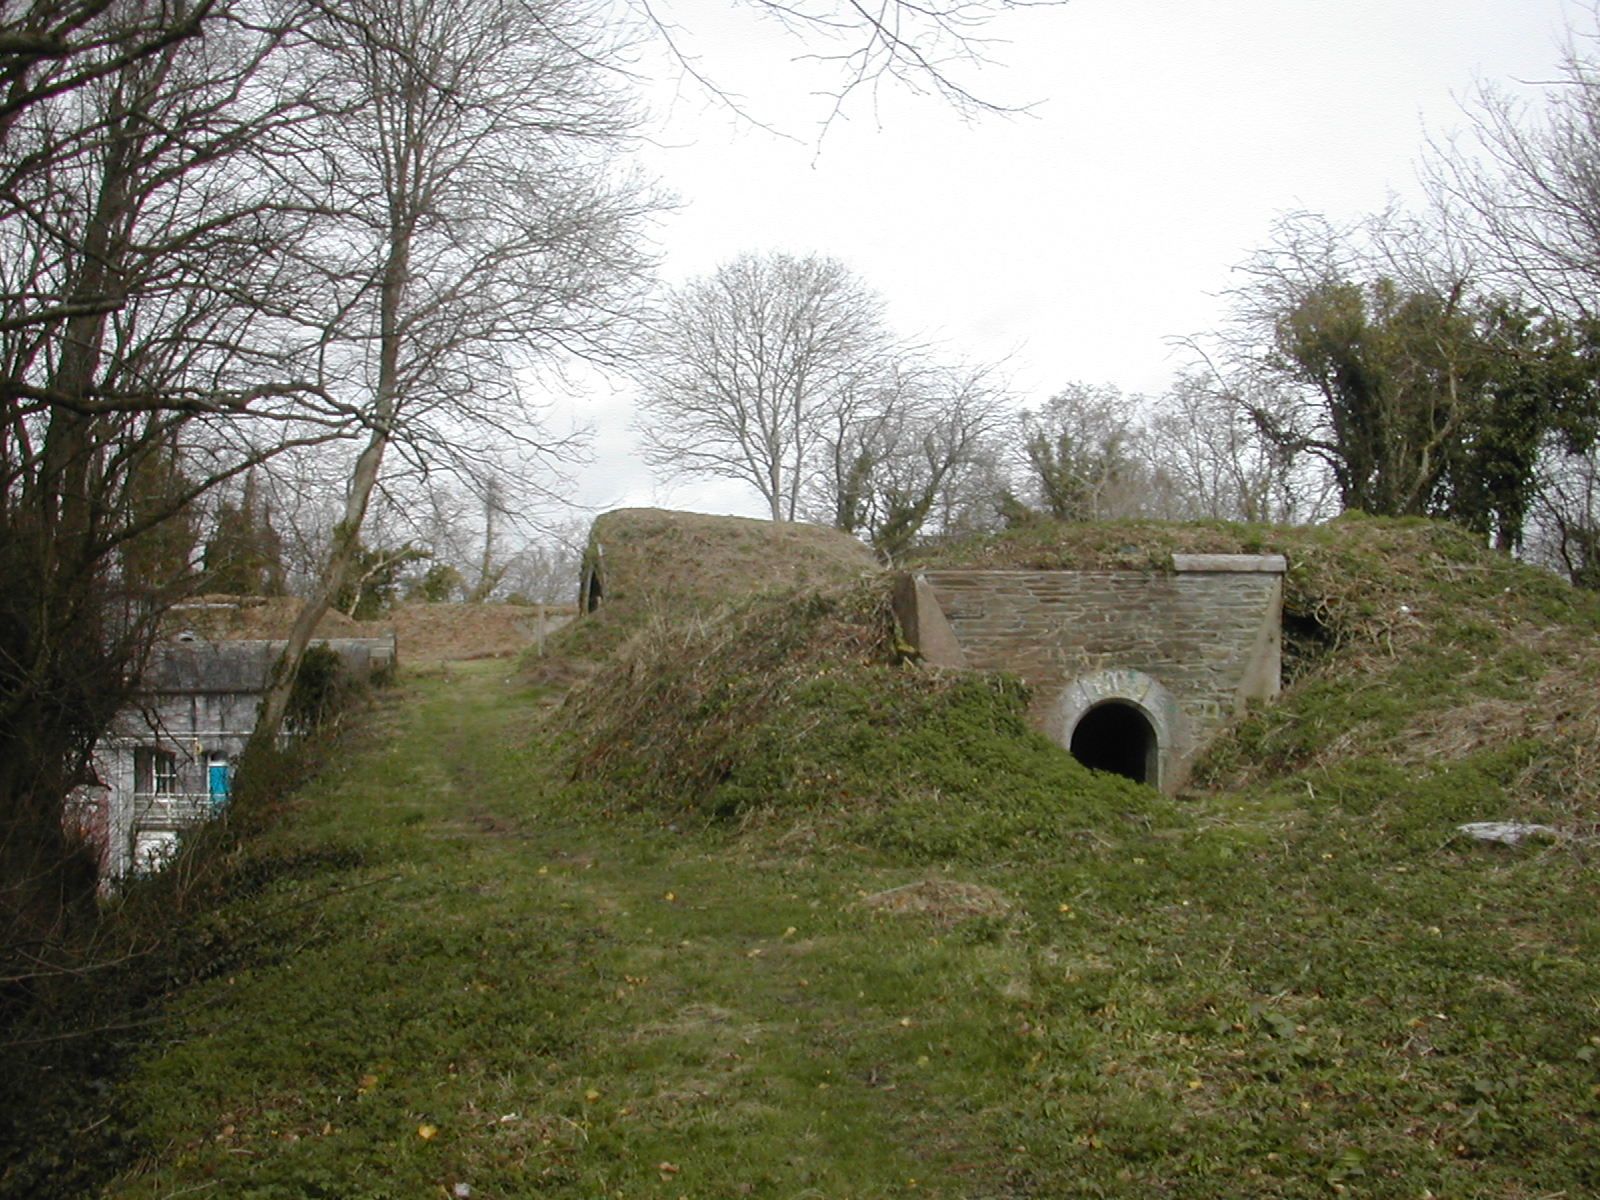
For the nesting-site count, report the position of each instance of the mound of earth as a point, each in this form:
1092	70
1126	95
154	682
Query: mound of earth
1409	645
426	633
431	633
678	561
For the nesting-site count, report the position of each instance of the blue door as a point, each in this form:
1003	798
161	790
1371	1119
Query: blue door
217	777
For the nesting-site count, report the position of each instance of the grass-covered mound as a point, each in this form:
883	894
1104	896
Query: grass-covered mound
1298	980
1411	652
801	706
816	922
644	564
1410	649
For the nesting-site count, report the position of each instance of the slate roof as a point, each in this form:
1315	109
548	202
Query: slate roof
195	666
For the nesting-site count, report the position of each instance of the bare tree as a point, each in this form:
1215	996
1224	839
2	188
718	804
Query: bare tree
1193	452
53	48
742	370
1520	187
303	492
478	227
912	454
859	51
1566	519
141	246
1083	455
545	569
492	566
923	47
1208	459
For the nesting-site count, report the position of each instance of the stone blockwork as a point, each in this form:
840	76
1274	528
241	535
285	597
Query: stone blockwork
1186	649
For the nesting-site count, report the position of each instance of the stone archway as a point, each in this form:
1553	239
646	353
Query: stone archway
591	582
1124	721
590	590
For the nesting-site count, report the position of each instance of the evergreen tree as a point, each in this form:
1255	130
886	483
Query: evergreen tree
158	556
244	555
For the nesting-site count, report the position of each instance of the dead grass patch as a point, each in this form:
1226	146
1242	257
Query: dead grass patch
702	1021
945	902
1452	733
429	633
226	617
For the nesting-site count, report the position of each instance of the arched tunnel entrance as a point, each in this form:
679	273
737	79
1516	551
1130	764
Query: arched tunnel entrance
1116	736
590	590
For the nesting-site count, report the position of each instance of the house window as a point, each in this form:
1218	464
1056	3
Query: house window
155	772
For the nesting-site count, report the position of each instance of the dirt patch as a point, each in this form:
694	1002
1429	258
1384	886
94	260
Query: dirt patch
944	901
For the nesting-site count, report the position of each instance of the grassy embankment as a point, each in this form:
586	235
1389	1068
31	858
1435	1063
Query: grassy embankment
765	910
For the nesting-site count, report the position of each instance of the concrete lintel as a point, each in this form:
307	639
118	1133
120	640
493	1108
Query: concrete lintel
1236	564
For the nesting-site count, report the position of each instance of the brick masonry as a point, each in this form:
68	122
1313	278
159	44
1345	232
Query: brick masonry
1189	648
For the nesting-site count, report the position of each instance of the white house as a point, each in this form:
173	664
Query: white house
167	762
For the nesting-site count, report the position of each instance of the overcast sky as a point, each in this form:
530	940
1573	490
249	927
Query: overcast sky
1078	240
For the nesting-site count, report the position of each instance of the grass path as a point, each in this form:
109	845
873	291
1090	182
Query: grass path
482	984
455	975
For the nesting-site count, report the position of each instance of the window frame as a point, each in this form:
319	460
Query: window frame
155	771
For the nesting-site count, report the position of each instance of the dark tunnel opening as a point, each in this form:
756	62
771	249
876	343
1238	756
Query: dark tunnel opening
590	593
1115	736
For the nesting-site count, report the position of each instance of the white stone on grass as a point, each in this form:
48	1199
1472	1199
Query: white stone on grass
1507	833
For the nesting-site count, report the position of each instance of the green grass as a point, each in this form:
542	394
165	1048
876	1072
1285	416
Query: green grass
812	923
569	999
1262	996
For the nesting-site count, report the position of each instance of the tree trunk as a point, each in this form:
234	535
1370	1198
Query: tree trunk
488	576
347	533
62	673
346	540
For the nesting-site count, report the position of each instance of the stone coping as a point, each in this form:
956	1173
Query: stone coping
1183	564
1233	564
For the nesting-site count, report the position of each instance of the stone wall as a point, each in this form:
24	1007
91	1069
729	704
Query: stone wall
1189	647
